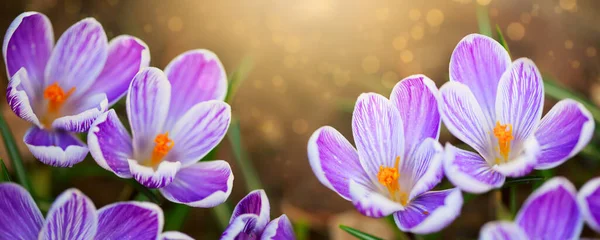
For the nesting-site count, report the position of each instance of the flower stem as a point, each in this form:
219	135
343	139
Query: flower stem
15	156
513	200
241	157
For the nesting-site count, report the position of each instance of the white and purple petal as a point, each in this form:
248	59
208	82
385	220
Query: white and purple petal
147	108
110	144
242	227
551	212
174	235
204	184
130	220
372	203
78	57
28	43
335	161
430	212
126	56
20	218
520	101
502	230
464	117
82	113
257	203
563	132
279	229
163	175
195	76
469	172
55	148
378	132
424	169
72	216
478	62
21	98
198	131
415	97
522	164
588	199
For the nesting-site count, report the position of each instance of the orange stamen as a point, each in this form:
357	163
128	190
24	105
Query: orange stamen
162	147
388	177
503	132
56	96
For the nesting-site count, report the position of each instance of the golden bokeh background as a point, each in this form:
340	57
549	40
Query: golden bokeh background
309	61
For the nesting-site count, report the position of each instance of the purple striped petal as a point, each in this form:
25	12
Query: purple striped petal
415	97
243	227
78	57
469	172
465	119
371	203
430	212
520	101
424	169
198	131
257	203
84	111
21	97
20	218
174	235
130	220
524	163
501	230
563	132
589	203
110	144
204	184
55	148
147	107
378	132
279	229
195	76
160	177
72	216
479	62
126	56
551	212
334	161
28	44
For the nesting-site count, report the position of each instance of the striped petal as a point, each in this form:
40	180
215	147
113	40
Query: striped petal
130	220
160	177
501	230
371	203
279	229
22	98
589	203
430	212
469	172
72	216
110	144
55	148
20	218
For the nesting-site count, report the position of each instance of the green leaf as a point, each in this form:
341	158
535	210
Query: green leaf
359	234
4	177
237	77
241	156
14	155
483	20
522	180
175	217
222	213
501	39
513	200
554	90
302	229
150	194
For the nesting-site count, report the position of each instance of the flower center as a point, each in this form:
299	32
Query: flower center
503	132
56	97
388	177
163	145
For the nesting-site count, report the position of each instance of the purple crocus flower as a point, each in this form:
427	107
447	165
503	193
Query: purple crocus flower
251	220
589	203
74	216
176	118
495	107
550	212
61	89
397	162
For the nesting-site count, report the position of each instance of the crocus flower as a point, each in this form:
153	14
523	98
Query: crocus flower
251	220
176	118
589	203
397	161
61	89
550	212
74	216
495	107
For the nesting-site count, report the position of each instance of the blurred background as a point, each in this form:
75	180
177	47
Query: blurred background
301	64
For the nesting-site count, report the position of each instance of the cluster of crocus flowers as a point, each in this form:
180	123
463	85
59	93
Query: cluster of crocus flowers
398	160
74	216
495	106
62	88
251	220
177	117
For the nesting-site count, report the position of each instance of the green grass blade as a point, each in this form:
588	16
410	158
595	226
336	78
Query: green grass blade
554	90
4	177
241	156
175	217
483	20
237	77
501	39
14	155
359	234
222	213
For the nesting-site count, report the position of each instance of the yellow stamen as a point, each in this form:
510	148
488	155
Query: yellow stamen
503	133
56	96
162	147
388	177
